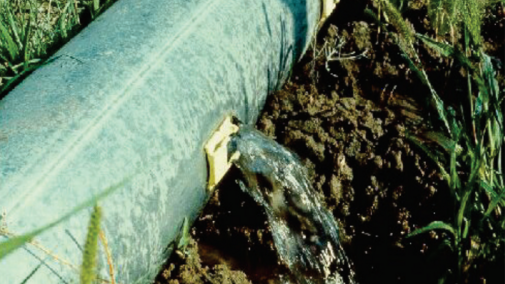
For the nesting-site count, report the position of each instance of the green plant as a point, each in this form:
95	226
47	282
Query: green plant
469	152
90	254
15	45
96	7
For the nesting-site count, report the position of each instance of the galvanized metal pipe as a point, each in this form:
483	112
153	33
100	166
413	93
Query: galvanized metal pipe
137	93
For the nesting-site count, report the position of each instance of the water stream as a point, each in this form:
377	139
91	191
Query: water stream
304	232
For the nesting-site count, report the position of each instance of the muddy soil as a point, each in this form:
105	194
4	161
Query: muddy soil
348	119
189	269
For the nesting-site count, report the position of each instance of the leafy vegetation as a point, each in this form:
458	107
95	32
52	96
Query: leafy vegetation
467	145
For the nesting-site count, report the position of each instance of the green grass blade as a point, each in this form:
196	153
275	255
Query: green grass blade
12	244
18	76
462	209
11	46
466	228
469	187
462	59
466	37
430	155
442	140
89	257
455	182
488	108
75	20
62	21
374	18
495	96
439	107
413	67
496	198
436	102
14	27
444	49
435	225
27	34
96	5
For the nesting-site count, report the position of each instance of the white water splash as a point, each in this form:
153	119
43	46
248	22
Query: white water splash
305	233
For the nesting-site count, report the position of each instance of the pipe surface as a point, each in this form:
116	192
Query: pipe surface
137	93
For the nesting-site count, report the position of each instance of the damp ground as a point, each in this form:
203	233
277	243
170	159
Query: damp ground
347	119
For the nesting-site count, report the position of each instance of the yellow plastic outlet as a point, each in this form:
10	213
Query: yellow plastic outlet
218	158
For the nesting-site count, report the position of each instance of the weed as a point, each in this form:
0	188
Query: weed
90	254
470	136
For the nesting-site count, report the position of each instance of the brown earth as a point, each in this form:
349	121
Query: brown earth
348	120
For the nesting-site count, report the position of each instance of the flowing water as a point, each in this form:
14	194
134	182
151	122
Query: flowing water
304	232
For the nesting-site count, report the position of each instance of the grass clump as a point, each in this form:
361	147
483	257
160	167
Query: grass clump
466	136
